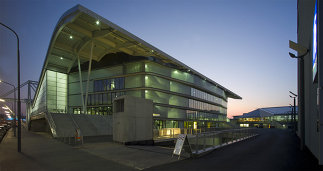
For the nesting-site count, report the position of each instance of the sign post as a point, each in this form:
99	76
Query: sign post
181	143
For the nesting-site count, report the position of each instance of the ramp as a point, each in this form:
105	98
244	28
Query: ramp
65	125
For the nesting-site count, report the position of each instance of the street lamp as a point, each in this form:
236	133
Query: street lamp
292	107
18	82
14	107
294	117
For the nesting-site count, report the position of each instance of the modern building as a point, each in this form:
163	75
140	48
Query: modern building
310	75
269	117
91	61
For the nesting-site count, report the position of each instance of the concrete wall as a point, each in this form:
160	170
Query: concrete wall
134	123
39	125
308	87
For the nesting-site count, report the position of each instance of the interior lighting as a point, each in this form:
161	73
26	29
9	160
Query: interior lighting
146	91
156	114
71	37
1	100
5	108
97	22
146	77
61	58
6	112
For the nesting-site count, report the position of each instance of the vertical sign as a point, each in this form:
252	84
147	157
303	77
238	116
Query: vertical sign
179	144
182	143
314	46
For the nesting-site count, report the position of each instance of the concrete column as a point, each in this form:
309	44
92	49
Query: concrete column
88	76
81	83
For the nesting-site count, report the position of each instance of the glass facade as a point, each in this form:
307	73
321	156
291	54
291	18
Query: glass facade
52	95
108	84
180	98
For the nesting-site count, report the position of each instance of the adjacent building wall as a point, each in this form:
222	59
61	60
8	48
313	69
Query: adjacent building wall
307	86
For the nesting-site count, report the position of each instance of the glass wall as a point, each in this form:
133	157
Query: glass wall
101	110
184	76
164	98
56	92
102	98
206	96
108	84
164	84
173	113
40	103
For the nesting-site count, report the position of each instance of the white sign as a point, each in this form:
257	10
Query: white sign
179	144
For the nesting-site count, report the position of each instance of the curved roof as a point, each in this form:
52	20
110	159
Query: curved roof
268	111
79	26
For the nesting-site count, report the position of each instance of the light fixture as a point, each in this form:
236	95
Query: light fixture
61	58
146	77
97	22
5	108
146	91
71	37
1	100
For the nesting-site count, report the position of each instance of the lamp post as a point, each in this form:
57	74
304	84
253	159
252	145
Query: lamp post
294	117
14	106
18	82
292	114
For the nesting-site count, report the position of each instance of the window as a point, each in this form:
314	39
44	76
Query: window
109	84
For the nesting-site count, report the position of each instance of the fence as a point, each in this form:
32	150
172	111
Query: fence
168	133
204	142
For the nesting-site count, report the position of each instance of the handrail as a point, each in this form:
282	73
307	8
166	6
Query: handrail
51	123
207	141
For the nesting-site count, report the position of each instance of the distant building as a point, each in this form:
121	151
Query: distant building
91	61
278	117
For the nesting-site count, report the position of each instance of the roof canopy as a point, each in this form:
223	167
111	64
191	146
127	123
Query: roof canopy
78	27
268	111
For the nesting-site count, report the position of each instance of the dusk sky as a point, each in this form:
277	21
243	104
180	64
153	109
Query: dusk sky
240	44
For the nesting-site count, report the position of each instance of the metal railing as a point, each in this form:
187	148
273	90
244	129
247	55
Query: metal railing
169	133
51	123
204	142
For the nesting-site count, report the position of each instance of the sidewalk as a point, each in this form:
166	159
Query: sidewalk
41	152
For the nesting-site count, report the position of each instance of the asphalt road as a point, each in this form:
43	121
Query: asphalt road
273	149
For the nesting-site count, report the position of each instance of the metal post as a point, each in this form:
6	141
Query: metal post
15	109
295	114
19	102
18	78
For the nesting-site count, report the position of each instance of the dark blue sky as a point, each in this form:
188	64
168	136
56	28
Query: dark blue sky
241	44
